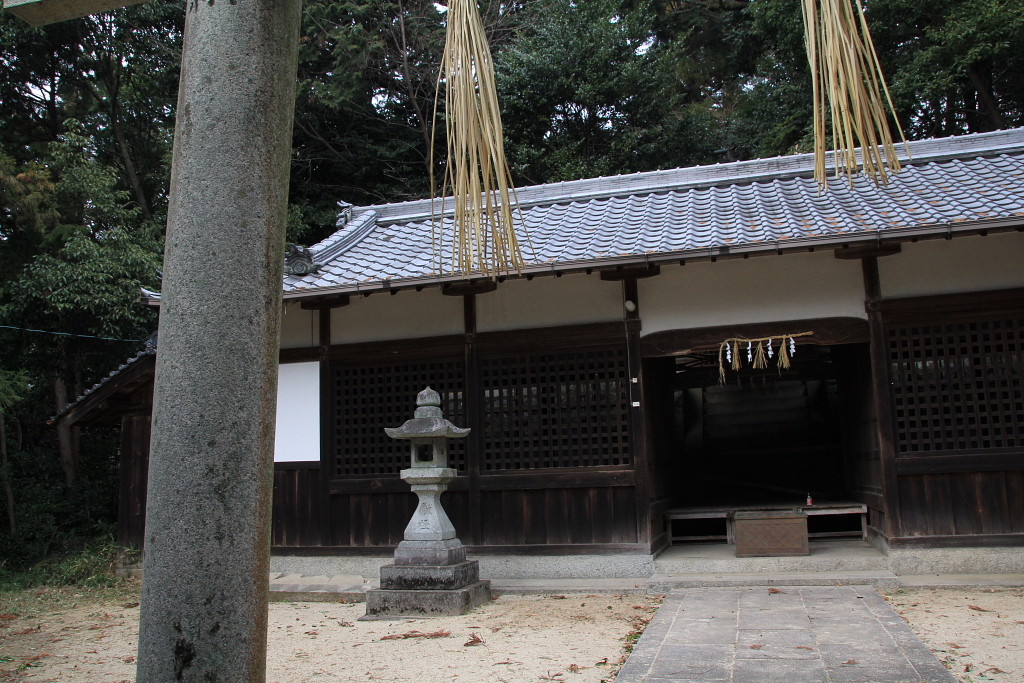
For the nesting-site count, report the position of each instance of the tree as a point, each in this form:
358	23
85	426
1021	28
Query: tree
11	389
588	89
955	66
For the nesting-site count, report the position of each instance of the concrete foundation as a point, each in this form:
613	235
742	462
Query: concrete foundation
826	556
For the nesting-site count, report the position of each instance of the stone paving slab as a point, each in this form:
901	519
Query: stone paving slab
797	634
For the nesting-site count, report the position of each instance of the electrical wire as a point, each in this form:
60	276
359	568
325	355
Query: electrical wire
69	334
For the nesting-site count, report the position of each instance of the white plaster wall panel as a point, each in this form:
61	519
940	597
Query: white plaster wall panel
298	413
549	302
758	289
406	315
298	327
962	264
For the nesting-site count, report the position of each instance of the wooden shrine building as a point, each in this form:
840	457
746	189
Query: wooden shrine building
593	381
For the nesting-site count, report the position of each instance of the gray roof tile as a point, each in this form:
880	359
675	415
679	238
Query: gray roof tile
968	181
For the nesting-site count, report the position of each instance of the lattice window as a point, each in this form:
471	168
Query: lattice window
369	398
957	386
568	409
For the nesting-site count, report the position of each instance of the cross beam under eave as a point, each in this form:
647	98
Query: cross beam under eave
42	12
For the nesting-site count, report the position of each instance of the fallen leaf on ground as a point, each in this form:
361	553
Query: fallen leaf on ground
992	670
574	668
773	591
474	639
756	646
979	609
802	647
849	662
417	634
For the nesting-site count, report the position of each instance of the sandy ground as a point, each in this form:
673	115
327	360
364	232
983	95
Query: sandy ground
578	638
978	633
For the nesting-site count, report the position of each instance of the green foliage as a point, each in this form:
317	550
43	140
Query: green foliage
954	66
588	89
52	521
91	566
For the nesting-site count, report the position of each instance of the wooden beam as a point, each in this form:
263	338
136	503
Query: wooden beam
958	541
846	252
324	302
469	287
42	12
1011	459
827	331
630	272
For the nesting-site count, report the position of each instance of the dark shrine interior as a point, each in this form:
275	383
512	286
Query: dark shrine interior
764	437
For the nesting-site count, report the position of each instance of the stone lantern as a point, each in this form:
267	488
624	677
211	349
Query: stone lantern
430	575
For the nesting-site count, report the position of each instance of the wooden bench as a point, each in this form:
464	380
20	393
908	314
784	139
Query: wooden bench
727	513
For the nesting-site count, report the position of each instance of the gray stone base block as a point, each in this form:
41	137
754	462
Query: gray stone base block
431	553
1005	560
394	604
445	577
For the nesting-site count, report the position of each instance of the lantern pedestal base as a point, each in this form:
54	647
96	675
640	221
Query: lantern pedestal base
450	577
432	553
403	604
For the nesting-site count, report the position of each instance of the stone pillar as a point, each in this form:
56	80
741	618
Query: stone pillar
204	593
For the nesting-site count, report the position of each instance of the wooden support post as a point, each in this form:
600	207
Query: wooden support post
206	567
637	410
473	397
883	400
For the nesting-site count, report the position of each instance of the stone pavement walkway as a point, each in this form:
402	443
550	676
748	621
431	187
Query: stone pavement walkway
794	634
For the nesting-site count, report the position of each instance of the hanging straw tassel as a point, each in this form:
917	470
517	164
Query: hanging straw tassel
760	361
736	363
783	356
847	81
476	172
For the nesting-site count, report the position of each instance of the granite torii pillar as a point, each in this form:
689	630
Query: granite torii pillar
207	552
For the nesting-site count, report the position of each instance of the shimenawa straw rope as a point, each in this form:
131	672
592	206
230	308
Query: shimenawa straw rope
476	172
847	82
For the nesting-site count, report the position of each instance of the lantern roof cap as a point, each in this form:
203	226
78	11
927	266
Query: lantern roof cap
428	421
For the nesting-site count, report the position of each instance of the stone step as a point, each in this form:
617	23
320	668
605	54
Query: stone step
299	588
760	565
883	579
721	559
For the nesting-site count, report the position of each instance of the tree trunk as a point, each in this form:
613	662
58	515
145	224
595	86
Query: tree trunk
986	101
65	442
5	468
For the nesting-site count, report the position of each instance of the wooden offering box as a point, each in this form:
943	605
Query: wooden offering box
768	533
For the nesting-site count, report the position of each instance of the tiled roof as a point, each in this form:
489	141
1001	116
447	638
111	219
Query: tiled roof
148	352
969	182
